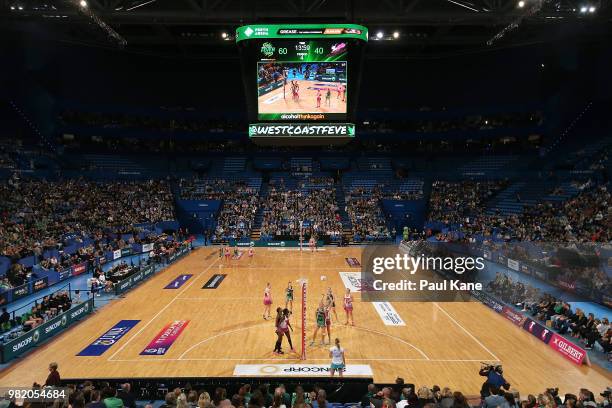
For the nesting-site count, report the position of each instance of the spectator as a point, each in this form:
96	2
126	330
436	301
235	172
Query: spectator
109	397
170	400
321	401
203	400
425	396
446	398
372	390
459	400
129	401
53	379
277	402
496	398
95	400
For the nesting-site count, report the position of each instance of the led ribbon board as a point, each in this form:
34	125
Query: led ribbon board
251	32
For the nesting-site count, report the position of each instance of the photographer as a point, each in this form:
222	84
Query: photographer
495	379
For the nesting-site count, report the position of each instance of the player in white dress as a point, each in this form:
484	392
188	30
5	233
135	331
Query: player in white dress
338	362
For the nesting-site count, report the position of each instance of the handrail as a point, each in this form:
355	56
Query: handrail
28	305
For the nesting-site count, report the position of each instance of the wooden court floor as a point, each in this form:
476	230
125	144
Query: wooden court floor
273	102
441	343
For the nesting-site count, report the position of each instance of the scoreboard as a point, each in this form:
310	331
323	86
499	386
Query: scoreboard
301	80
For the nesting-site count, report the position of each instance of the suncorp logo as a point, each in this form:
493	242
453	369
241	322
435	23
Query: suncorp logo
22	344
79	311
52	327
311	369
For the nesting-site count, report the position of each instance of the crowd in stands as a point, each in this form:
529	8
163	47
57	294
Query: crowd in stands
364	208
576	224
101	243
102	394
240	205
121	120
594	332
36	216
462	123
583	218
284	209
41	311
457	203
365	212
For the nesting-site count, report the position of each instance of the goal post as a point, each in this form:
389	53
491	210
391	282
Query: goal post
304	285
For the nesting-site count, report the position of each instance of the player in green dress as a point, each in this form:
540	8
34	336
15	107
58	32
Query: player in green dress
320	317
289	297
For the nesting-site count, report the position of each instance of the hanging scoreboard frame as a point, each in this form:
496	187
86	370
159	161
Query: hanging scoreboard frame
301	81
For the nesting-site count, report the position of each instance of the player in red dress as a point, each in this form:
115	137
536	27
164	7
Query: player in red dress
348	307
318	99
312	244
284	327
296	91
278	323
267	301
227	253
251	254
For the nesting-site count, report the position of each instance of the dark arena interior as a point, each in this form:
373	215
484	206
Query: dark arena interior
305	203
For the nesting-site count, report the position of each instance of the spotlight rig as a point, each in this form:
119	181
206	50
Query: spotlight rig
531	8
84	9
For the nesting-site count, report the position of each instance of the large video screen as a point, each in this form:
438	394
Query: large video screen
304	80
301	90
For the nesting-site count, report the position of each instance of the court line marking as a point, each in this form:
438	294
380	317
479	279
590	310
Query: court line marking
160	311
271	360
393	337
221	298
466	331
426	357
219	335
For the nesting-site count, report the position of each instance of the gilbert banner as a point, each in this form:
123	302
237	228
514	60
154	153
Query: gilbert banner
569	350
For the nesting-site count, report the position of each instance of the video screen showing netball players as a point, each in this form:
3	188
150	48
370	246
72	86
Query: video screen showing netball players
302	91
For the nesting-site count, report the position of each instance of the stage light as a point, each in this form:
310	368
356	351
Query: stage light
583	9
591	9
379	35
12	7
224	35
20	8
521	4
396	34
83	3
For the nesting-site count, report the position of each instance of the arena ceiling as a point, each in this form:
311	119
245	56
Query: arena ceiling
205	27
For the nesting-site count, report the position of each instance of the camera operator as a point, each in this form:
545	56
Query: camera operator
495	379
